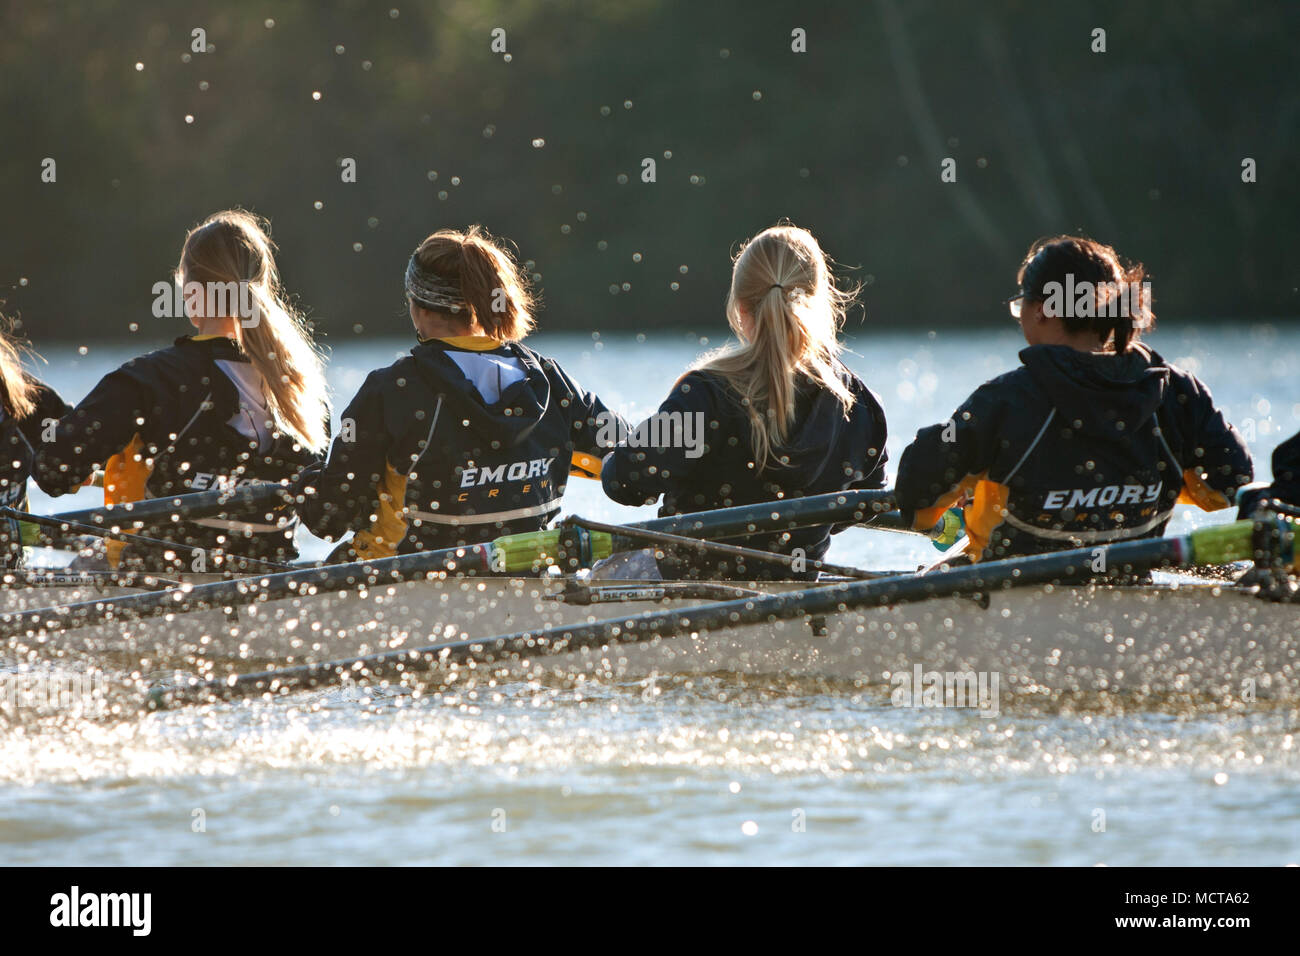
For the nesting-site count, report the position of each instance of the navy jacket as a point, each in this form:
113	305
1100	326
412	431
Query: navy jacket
1074	448
825	452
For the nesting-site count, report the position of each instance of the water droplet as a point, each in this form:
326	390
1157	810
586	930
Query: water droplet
668	154
627	287
627	104
83	350
433	175
605	111
133	327
394	13
372	222
674	286
758	95
358	328
139	67
538	143
602	245
622	179
488	131
982	163
268	23
356	247
566	229
185	58
804	172
636	257
582	216
189	118
339	49
556	189
442	194
22	281
366	64
683	270
508	57
455	180
1220	778
749	828
203	85
902	160
315	95
724	53
613	289
318	204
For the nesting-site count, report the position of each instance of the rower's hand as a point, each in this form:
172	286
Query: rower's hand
950	529
303	484
1249	497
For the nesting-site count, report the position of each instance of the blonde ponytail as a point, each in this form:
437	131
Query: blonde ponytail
234	246
786	309
17	388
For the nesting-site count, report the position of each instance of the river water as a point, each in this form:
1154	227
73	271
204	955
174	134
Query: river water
680	771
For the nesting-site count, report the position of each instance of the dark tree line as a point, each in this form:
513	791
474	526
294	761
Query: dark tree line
1141	146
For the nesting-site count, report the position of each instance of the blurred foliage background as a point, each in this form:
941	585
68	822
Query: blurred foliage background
1140	146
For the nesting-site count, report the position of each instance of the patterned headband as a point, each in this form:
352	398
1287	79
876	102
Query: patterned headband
432	291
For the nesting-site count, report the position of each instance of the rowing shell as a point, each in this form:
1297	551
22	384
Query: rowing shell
1182	637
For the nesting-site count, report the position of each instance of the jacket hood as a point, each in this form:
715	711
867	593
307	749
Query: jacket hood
512	417
1110	394
820	427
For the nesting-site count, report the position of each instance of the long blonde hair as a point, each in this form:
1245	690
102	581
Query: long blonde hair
781	279
17	388
234	246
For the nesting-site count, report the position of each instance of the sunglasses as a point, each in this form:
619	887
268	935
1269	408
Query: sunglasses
1016	305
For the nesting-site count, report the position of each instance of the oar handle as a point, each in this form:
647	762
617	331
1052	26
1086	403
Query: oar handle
203	504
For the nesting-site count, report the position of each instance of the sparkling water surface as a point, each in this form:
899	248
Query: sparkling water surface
677	770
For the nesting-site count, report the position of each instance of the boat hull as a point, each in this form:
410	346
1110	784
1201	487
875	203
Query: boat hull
1195	638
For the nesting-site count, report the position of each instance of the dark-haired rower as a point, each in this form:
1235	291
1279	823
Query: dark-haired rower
1093	439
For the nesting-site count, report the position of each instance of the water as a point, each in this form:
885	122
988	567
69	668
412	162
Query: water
709	771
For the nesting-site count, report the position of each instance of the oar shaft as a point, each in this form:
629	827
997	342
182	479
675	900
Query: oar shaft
626	538
203	504
157	544
859	506
1062	567
243	591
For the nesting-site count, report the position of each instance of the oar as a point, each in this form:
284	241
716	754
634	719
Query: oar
1217	545
633	534
518	553
156	544
202	504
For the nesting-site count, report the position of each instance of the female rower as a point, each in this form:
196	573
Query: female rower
241	399
779	415
1093	439
469	437
28	407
